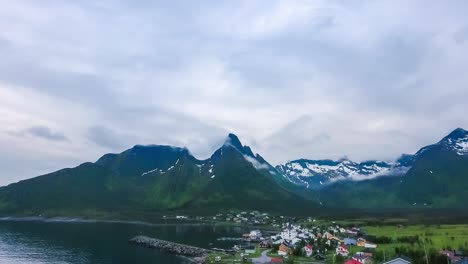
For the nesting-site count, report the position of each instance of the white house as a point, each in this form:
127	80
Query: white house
370	245
342	250
308	250
255	234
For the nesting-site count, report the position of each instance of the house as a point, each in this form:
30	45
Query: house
370	245
308	250
255	234
265	244
342	250
285	249
351	232
399	260
361	258
350	241
451	255
352	261
361	242
276	260
368	252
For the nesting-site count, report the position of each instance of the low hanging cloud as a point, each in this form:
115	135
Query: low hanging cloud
105	137
45	132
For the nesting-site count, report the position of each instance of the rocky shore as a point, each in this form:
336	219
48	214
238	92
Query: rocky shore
199	255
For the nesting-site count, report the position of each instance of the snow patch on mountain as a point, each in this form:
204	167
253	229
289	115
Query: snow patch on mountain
318	173
148	172
460	145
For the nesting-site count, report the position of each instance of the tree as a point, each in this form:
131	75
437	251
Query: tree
297	251
339	259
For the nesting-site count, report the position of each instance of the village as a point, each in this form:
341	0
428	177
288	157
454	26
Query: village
308	241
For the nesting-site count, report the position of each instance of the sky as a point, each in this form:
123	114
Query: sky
293	79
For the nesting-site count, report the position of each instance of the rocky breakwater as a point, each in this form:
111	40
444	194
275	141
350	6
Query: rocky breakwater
199	255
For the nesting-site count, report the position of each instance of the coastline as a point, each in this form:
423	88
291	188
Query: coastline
128	222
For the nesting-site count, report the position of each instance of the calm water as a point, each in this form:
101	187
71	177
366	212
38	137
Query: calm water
42	242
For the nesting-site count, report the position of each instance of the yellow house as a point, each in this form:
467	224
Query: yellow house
286	249
361	242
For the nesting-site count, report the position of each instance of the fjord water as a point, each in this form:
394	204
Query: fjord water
35	242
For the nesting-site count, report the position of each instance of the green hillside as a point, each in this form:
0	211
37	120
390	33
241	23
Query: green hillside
438	178
160	178
155	178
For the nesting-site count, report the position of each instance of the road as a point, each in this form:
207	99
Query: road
263	259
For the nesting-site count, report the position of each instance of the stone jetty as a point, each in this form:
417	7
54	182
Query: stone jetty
199	255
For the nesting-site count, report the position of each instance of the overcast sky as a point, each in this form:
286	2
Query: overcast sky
293	79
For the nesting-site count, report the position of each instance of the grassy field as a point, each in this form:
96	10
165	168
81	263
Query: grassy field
432	236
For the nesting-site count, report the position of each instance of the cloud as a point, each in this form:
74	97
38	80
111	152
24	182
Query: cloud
318	79
257	165
461	35
46	133
105	137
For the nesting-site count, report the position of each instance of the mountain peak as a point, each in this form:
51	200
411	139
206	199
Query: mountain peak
234	141
458	133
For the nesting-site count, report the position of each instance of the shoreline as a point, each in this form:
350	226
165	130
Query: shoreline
43	219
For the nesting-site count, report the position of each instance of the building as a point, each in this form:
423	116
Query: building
361	258
342	250
285	249
352	261
400	260
367	251
361	242
276	260
266	243
370	245
308	249
350	241
255	234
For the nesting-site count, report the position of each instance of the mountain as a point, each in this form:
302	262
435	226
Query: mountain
438	178
439	174
315	174
156	178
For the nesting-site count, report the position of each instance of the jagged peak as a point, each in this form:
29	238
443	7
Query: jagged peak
234	141
457	133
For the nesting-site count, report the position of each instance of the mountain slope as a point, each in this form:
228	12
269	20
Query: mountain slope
438	178
316	174
155	178
440	173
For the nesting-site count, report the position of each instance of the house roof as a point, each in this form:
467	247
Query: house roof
400	260
352	261
276	260
360	257
308	246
